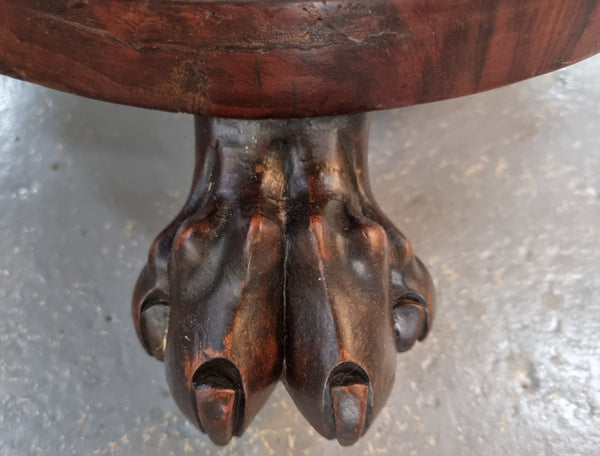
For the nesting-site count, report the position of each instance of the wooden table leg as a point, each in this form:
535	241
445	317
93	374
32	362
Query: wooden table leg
281	265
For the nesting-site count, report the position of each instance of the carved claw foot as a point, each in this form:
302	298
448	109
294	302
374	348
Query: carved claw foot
281	257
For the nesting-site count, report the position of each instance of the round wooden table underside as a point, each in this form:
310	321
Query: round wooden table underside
290	58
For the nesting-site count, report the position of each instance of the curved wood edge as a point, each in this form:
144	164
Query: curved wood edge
291	58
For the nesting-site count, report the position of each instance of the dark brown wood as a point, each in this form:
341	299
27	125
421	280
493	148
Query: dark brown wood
281	257
289	58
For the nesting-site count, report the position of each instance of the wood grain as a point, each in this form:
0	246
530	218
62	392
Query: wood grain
290	58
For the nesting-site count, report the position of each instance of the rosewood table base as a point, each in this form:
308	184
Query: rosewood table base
281	266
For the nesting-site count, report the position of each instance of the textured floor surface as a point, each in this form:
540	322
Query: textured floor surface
499	193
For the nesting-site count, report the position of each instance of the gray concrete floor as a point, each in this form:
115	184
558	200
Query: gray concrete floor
499	193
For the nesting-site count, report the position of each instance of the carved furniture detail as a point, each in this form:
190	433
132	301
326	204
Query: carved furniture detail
280	265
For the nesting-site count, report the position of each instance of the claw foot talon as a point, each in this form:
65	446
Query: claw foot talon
281	256
154	320
219	400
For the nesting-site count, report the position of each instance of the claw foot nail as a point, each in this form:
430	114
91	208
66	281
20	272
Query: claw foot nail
154	321
350	403
219	399
410	321
349	408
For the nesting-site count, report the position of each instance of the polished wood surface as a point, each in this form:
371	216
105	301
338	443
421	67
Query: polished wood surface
290	58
